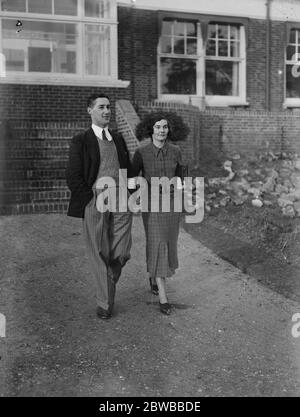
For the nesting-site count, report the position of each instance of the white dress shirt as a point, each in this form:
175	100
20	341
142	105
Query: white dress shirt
98	132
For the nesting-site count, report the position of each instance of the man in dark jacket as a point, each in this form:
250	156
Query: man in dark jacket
95	154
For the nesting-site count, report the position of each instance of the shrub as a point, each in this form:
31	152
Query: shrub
178	129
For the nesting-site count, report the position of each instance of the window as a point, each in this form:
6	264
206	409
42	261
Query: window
60	41
178	62
222	60
292	69
198	60
58	7
40	47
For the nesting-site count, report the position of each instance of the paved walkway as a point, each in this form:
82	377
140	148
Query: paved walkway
228	335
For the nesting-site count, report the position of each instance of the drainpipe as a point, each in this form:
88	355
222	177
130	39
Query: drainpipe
268	55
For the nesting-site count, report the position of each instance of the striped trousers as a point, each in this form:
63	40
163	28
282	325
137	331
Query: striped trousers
108	240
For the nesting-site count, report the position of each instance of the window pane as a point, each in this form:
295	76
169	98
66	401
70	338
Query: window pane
292	36
191	29
97	8
179	29
221	78
14	6
211	48
48	46
235	49
65	7
40	6
212	31
97	48
39	59
234	33
191	46
167	27
223	48
290	53
222	31
293	81
178	45
178	76
166	44
15	59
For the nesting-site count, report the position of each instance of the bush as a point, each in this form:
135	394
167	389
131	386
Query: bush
178	129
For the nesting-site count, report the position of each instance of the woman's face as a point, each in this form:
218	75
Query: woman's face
160	130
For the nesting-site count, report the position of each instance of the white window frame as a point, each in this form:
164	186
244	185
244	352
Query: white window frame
200	99
289	101
78	79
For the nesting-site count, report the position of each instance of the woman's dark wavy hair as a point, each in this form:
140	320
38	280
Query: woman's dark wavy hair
178	130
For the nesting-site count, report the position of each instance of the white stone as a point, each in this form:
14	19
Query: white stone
288	211
297	164
283	202
257	203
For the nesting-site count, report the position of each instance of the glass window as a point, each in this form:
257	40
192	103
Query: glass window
60	7
13	6
47	46
40	6
223	40
222	66
293	65
97	47
221	78
97	8
217	70
65	7
179	37
69	45
178	76
15	59
178	66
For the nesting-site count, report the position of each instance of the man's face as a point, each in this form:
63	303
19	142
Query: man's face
100	112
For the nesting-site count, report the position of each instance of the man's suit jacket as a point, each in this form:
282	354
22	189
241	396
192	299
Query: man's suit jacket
83	167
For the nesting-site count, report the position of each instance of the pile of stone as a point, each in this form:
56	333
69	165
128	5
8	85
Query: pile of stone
273	179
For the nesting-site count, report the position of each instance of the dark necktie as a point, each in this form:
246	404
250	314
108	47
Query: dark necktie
104	137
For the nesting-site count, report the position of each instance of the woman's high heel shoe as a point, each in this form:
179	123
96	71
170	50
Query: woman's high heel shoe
153	287
165	308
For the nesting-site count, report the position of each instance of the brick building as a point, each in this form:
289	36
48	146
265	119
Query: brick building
235	61
212	54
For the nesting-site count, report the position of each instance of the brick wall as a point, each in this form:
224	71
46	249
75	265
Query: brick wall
277	57
50	103
249	132
256	64
138	40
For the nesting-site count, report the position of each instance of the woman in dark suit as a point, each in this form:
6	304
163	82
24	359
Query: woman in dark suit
159	158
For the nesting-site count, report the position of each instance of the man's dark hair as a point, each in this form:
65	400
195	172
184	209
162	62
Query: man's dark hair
93	97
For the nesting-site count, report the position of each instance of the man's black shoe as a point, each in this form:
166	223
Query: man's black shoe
103	314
